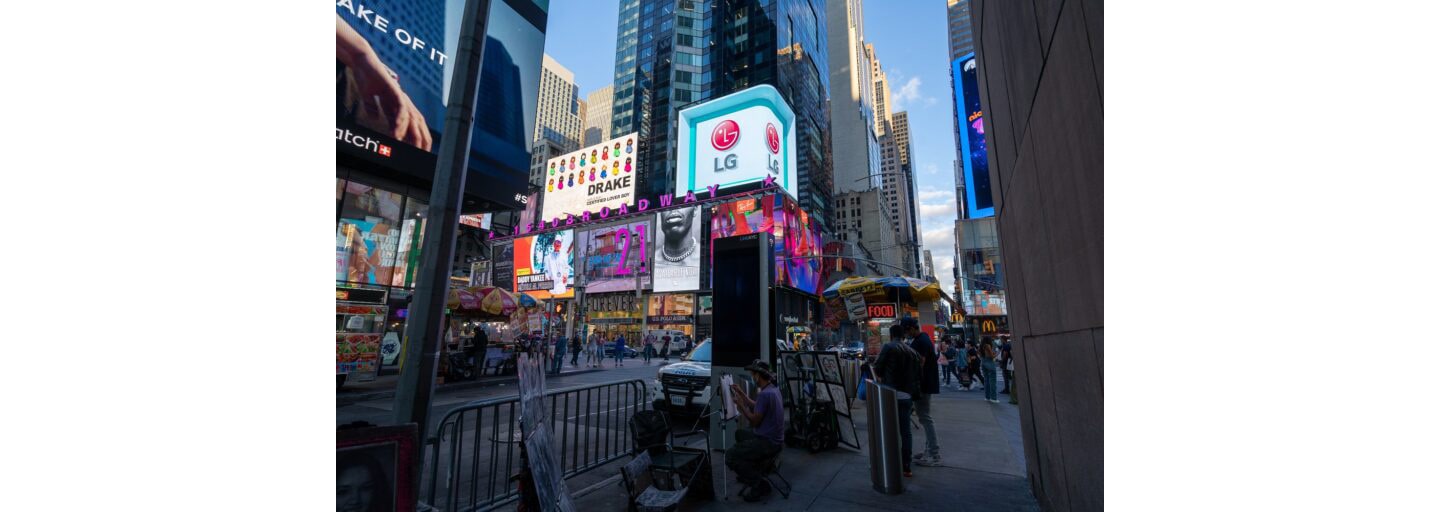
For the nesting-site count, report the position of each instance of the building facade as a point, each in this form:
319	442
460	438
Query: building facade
1041	83
557	117
783	43
862	222
663	63
852	99
900	187
962	37
598	116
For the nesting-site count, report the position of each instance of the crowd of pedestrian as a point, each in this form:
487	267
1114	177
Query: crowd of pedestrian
913	365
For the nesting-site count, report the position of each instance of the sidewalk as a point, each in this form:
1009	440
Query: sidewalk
383	387
980	443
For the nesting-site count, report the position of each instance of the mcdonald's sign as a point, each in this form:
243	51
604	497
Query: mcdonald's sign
988	326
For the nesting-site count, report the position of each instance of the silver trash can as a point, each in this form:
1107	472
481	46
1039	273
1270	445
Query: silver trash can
885	425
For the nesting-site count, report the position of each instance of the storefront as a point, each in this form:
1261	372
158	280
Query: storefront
672	312
611	314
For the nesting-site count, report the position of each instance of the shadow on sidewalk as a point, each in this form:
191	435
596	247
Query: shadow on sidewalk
983	469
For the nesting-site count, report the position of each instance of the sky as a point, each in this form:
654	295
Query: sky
909	37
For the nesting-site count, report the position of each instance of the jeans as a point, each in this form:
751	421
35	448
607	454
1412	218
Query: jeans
647	352
745	456
922	409
907	436
1009	381
987	367
952	367
619	356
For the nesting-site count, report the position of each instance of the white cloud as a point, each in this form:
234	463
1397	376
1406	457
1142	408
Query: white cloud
931	168
905	94
930	194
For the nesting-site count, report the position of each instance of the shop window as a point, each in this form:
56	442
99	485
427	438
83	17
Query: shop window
367	234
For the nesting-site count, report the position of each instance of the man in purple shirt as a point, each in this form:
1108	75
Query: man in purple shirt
766	414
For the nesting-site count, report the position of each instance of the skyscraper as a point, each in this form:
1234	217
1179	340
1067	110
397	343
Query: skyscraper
898	179
598	115
783	43
962	39
852	99
662	50
557	117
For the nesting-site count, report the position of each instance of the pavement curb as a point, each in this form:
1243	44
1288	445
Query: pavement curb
354	398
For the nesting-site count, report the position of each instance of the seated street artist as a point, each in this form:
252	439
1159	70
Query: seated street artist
766	414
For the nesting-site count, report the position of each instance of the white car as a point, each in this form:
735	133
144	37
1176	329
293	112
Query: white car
684	388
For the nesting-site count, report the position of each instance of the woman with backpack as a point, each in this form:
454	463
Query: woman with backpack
987	369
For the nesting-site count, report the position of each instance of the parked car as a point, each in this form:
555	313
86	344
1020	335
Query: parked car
630	352
852	350
683	388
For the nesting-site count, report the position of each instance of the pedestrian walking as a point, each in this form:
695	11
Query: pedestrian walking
665	348
619	350
557	358
972	364
576	346
649	347
929	385
1008	363
899	366
987	370
951	364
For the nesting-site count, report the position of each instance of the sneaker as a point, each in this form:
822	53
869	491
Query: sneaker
757	492
908	473
928	461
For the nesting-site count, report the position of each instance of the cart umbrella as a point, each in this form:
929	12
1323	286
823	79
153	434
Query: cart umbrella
483	302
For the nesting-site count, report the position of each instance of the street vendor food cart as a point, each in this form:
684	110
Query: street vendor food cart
485	304
886	299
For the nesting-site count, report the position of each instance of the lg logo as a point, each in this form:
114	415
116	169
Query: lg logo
772	137
726	134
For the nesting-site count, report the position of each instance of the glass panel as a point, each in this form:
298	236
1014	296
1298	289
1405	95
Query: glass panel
366	234
412	234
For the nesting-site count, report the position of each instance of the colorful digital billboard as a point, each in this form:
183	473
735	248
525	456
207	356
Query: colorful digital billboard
394	61
796	238
970	127
595	177
741	138
612	257
545	265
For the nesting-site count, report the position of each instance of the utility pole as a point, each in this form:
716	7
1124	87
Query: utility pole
427	320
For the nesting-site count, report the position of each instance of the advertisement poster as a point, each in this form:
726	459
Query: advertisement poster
357	353
801	265
545	265
706	305
677	249
613	256
671	308
367	235
393	65
972	138
796	237
503	274
595	177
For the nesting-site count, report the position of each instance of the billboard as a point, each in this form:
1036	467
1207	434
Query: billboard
796	237
394	61
595	177
738	139
545	265
503	272
613	256
677	249
970	125
799	266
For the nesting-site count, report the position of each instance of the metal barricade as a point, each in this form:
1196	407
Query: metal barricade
475	449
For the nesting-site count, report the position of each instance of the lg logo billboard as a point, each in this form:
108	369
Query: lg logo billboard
751	139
